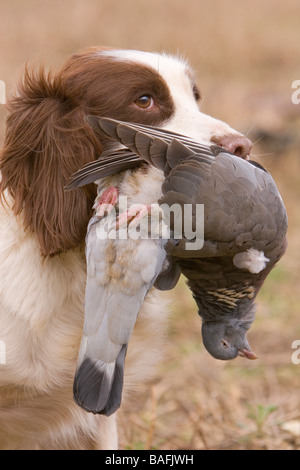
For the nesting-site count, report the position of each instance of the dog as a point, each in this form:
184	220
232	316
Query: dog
43	228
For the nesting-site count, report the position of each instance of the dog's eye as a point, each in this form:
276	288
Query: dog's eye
144	101
225	344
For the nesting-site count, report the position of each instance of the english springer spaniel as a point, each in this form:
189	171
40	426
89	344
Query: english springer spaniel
43	228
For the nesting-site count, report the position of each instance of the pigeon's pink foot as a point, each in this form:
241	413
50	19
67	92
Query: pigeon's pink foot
107	201
134	214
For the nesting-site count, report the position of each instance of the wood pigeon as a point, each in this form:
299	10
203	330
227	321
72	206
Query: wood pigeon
245	224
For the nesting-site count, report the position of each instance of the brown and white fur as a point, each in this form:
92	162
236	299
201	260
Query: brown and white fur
42	261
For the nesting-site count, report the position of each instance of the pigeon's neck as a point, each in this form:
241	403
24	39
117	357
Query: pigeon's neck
216	303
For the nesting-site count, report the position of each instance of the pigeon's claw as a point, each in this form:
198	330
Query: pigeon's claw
134	214
106	201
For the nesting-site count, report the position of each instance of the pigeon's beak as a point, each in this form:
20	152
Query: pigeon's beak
248	354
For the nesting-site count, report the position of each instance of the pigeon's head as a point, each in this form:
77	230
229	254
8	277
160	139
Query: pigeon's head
226	339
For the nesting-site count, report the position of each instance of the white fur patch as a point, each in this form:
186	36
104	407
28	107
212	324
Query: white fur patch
252	260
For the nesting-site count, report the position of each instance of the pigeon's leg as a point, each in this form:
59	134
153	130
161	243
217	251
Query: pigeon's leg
133	215
106	201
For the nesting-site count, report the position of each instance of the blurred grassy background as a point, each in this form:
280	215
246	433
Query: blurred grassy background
246	55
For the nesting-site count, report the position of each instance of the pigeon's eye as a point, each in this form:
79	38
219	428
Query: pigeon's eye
144	101
225	344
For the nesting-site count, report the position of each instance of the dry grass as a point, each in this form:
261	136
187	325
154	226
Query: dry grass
247	55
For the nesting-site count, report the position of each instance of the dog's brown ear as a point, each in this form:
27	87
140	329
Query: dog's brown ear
47	140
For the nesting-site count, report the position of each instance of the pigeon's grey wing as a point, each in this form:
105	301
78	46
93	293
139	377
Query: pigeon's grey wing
110	162
158	147
147	144
115	292
111	128
114	161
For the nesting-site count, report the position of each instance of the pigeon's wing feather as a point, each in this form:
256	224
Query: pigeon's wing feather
110	128
111	162
160	148
115	293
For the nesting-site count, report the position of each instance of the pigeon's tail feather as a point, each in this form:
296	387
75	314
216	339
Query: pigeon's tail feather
98	386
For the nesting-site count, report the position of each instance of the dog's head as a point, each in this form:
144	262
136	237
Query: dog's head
47	138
